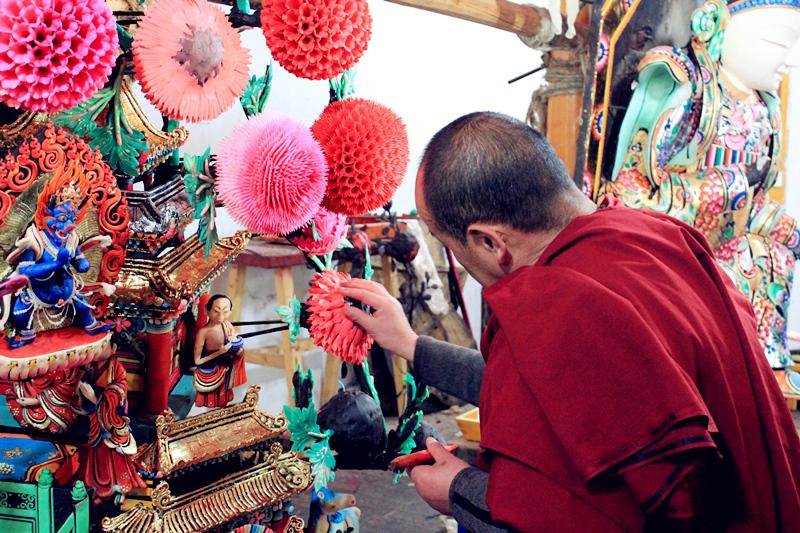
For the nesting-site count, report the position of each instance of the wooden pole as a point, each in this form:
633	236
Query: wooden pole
500	14
399	365
779	193
563	117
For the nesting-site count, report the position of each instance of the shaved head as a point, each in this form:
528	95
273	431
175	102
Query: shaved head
489	167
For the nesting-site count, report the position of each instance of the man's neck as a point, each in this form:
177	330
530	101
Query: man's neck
533	245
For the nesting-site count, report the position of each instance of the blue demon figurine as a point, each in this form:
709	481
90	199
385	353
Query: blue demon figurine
50	257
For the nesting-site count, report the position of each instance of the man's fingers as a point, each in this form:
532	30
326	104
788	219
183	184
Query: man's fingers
365	296
358	316
358	283
419	473
437	450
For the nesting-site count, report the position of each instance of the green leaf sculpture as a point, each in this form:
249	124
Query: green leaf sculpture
254	98
81	119
290	314
199	182
322	461
308	437
302	424
342	86
119	143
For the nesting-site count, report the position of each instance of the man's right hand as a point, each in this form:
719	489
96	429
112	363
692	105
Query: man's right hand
387	323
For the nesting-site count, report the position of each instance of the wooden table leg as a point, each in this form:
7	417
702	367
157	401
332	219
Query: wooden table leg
236	275
399	365
330	379
284	285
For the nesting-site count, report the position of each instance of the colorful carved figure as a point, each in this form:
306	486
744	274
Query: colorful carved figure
219	356
331	512
701	142
106	463
47	403
52	258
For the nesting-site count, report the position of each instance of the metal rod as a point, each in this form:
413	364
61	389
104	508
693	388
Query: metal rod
530	72
264	331
257	322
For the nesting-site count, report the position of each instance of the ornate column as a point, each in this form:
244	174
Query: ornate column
158	367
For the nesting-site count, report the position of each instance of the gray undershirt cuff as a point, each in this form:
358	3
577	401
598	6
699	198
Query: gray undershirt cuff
452	369
468	502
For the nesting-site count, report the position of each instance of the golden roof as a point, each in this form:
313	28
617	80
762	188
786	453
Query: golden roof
194	440
22	127
160	144
127	12
281	476
181	273
126	6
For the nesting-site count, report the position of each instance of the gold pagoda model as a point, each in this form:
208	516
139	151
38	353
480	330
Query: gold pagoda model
221	468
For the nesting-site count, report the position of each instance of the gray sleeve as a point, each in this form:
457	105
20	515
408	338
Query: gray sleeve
468	502
449	368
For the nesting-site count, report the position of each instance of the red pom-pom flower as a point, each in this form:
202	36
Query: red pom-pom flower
366	146
330	230
271	174
330	327
316	39
54	54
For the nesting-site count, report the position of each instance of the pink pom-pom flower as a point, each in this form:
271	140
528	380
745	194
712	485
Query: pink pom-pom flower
330	228
54	54
330	326
189	59
271	174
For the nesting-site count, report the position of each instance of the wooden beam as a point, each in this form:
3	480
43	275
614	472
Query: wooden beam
500	14
563	112
779	193
563	126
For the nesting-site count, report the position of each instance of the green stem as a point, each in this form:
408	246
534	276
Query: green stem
118	105
317	262
368	271
370	382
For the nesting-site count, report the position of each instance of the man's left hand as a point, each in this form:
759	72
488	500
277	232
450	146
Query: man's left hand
433	482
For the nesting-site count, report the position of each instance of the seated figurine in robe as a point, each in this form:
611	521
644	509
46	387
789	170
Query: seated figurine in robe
219	356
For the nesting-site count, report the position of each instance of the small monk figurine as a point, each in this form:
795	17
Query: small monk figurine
219	356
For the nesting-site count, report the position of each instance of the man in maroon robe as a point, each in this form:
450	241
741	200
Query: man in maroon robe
624	388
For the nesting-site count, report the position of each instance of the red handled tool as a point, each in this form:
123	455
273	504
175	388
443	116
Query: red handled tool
407	462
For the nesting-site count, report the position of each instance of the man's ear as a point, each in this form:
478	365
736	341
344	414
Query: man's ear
490	239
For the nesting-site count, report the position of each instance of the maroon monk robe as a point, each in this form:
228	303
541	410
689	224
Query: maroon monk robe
625	390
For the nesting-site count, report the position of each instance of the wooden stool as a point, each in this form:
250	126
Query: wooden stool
399	365
280	257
